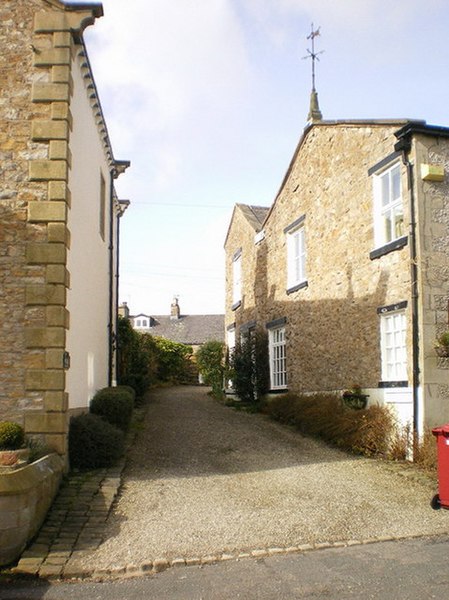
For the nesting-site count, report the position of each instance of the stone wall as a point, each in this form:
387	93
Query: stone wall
26	495
332	324
433	240
37	40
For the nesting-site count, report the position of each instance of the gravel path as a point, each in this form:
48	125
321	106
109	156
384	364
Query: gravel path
203	479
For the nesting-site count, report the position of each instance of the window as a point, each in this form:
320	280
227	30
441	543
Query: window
296	255
142	323
230	340
102	207
278	361
237	280
388	207
393	348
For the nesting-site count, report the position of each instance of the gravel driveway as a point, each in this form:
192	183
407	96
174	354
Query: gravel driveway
203	479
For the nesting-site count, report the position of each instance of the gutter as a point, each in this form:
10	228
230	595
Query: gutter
404	146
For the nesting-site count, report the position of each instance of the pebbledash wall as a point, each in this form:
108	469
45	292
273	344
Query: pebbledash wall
58	219
332	322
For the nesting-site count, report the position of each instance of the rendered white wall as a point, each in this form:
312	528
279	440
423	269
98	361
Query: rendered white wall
88	257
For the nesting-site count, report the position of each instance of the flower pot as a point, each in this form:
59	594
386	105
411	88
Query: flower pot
14	458
355	401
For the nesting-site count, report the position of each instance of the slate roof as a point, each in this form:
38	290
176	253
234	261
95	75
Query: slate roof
188	329
255	215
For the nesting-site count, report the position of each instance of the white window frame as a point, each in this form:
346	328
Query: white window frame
388	205
393	332
296	256
278	358
237	279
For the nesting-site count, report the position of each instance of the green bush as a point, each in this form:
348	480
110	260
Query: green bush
173	360
115	405
137	358
250	367
210	364
93	442
12	435
367	431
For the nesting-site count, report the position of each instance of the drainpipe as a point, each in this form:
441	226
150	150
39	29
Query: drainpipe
123	205
112	176
404	145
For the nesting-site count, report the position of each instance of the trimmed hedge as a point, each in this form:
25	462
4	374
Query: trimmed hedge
93	442
115	405
12	435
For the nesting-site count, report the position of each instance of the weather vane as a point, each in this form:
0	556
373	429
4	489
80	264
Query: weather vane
311	53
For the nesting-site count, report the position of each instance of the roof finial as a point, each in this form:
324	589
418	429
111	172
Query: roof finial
314	111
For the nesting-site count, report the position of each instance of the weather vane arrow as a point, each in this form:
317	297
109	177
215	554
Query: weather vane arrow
311	53
314	112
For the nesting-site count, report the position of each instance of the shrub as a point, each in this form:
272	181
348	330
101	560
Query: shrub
12	435
93	442
367	431
210	363
137	358
173	360
115	405
250	368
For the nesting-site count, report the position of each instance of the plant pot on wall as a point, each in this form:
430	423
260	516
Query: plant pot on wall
355	401
14	458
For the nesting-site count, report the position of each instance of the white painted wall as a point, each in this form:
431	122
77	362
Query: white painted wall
88	258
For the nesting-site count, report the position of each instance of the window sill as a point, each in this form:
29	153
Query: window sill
299	286
394	245
278	390
393	384
236	305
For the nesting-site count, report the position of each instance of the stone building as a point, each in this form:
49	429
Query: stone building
348	270
192	330
59	219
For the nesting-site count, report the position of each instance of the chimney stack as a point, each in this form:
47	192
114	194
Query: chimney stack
123	310
175	311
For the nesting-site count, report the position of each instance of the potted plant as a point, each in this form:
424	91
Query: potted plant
12	442
442	345
355	398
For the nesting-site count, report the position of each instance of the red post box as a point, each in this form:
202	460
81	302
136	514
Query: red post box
441	500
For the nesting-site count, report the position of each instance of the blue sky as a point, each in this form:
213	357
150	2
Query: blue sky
208	99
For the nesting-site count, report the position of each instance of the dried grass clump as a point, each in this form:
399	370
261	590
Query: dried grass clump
367	431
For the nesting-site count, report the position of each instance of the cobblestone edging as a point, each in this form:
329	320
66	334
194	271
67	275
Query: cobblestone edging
153	567
74	525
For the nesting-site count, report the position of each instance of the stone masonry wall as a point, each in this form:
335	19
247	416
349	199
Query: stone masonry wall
433	240
35	125
332	325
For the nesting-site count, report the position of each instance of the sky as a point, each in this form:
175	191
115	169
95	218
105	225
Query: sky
208	100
